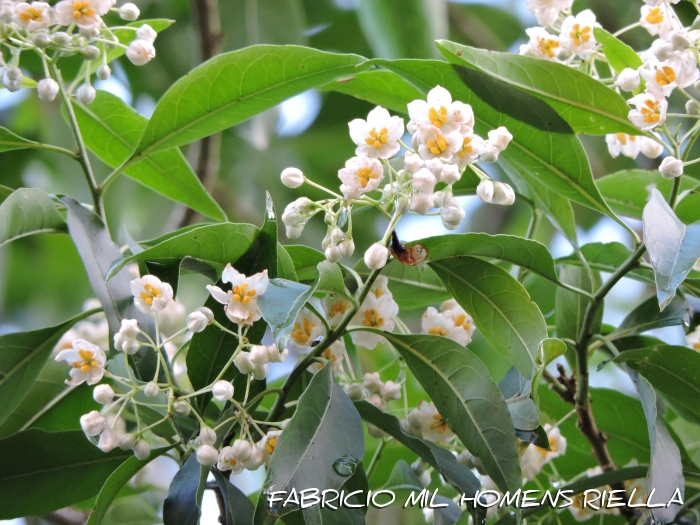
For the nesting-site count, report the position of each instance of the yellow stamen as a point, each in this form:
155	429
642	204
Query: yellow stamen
88	361
655	16
580	35
270	445
372	319
547	46
436	330
378	138
665	76
302	333
651	112
437	117
365	175
440	425
32	14
339	307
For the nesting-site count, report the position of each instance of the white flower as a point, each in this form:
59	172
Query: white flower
662	77
650	111
494	192
292	177
680	39
151	389
222	391
129	12
671	168
269	443
7	10
207	455
650	148
140	52
439	111
241	302
390	391
656	20
547	11
335	354
378	136
150	294
462	320
87	362
659	2
31	17
618	143
693	338
142	449
92	423
360	175
376	256
228	461
274	355
432	143
307	328
469	150
147	33
108	440
429	424
628	79
451	212
380	288
256	459
372	382
47	89
86	14
541	45
375	312
335	307
103	394
577	33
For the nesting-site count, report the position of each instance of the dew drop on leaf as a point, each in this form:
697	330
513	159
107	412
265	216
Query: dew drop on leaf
345	465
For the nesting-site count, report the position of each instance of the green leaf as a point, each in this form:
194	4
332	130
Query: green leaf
111	129
280	304
10	141
403	28
502	309
28	211
627	191
324	429
688	207
485	26
570	307
383	88
467	398
525	253
22	357
305	261
215	244
673	247
403	478
43	471
619	54
232	87
585	103
116	482
437	457
239	509
131	510
98	250
647	317
182	506
543	149
330	278
674	371
5	192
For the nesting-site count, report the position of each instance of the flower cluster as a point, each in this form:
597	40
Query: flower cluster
443	145
71	27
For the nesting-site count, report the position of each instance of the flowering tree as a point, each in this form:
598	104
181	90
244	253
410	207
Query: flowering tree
362	390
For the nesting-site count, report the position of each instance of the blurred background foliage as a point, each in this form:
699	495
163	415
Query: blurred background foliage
42	280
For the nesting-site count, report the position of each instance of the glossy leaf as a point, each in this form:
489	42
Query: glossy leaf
239	509
383	88
403	478
10	140
214	244
305	261
330	278
437	457
116	482
468	400
28	211
22	357
585	103
647	317
280	304
674	371
525	253
43	471
98	250
232	87
132	510
111	129
182	506
619	54
544	148
502	309
673	247
570	307
325	427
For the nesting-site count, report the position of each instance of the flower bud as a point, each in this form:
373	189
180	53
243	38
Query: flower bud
375	432
207	436
292	177
425	478
424	180
337	235
130	328
104	72
412	162
131	346
243	363
692	107
452	214
294	232
628	79
347	247
92	423
671	168
129	12
450	174
650	148
333	253
679	40
41	40
222	391
435	166
422	203
127	442
376	256
47	89
197	321
485	190
103	394
142	449
664	52
372	382
151	389
355	391
207	455
108	440
147	33
140	52
503	194
500	137
61	39
377	401
260	371
12	78
91	53
86	94
242	449
181	408
78	41
390	391
274	355
489	152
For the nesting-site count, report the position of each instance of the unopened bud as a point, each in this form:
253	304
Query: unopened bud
679	40
90	53
92	423
671	168
12	78
108	440
47	89
692	107
129	12
151	389
337	235
207	455
181	408
332	253
41	40
376	256
103	394
104	72
142	449
292	177
86	94
355	391
127	442
222	391
61	39
206	436
347	247
197	321
628	79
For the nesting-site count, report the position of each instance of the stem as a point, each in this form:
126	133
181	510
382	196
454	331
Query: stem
375	458
82	150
